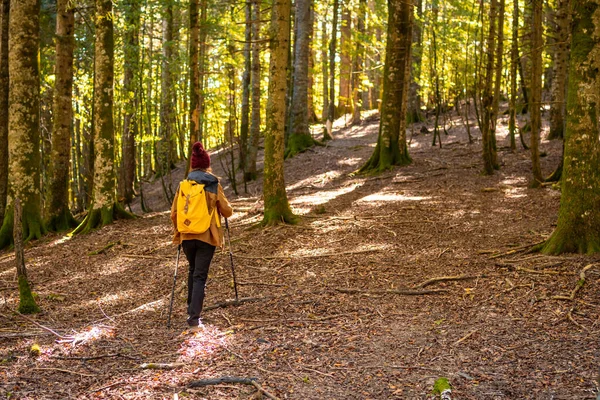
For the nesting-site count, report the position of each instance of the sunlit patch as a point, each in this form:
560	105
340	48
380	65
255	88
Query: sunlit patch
390	197
515	193
350	161
203	343
307	253
322	196
60	241
320	179
88	335
514	180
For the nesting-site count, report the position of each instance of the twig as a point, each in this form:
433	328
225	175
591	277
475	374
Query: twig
229	303
516	250
394	291
261	389
95	357
102	250
452	278
161	365
468	335
578	286
63	370
45	328
223	379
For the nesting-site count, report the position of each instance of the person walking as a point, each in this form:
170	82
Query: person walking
199	248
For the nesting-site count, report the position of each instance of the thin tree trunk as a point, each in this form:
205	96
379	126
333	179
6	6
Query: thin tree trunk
514	58
312	115
4	14
251	171
167	97
536	92
195	78
559	83
324	70
358	64
277	208
24	120
245	118
344	97
488	95
414	99
27	304
58	214
327	133
497	82
391	148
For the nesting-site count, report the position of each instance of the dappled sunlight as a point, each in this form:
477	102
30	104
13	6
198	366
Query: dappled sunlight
319	252
515	193
203	343
320	179
60	240
383	197
350	161
514	180
322	196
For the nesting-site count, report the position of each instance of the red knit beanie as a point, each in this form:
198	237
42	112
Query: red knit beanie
200	157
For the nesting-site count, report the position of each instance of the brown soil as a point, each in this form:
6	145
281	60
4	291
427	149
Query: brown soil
496	334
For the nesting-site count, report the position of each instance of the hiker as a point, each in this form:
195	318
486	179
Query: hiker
199	247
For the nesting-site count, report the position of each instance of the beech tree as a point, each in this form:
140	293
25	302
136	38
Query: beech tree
4	13
561	58
391	148
251	172
578	226
104	208
58	214
277	208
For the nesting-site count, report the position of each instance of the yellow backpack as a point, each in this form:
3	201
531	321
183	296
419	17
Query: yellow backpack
192	211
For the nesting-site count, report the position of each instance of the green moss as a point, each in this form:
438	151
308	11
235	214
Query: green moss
27	303
33	228
440	385
100	217
63	221
299	143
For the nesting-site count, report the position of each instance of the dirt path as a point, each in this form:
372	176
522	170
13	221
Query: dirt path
334	321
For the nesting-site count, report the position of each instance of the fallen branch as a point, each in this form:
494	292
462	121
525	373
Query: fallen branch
578	286
95	357
63	370
468	335
452	278
102	250
160	365
393	291
45	328
517	249
532	271
232	379
238	302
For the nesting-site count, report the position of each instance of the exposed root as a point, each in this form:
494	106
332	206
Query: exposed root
393	291
518	249
452	278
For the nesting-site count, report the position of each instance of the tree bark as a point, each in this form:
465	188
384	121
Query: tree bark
536	92
4	14
497	81
578	226
131	63
324	69
327	133
358	63
245	117
277	208
300	138
514	59
104	208
27	304
251	172
488	96
58	214
414	99
24	120
195	78
559	83
344	97
167	96
391	148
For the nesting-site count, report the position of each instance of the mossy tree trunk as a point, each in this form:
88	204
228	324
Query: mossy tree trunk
27	303
561	59
277	208
327	133
167	96
536	92
4	14
251	172
358	62
104	209
578	226
391	148
23	120
131	61
489	152
58	214
300	138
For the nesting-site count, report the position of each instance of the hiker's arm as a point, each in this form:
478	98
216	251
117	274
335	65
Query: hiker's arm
223	204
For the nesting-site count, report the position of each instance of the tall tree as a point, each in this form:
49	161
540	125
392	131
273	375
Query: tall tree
489	151
251	172
195	78
131	120
414	99
357	63
578	226
167	95
23	120
344	97
391	148
514	59
324	69
58	214
277	208
245	118
559	83
4	14
327	133
536	91
27	304
104	208
300	138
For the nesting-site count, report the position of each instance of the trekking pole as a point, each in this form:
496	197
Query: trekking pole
173	291
231	259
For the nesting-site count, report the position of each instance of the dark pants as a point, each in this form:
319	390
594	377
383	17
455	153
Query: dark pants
199	254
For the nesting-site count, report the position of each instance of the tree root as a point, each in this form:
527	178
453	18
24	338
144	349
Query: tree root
401	292
232	379
452	278
161	365
102	250
518	249
572	295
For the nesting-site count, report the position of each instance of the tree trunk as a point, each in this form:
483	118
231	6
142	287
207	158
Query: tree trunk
300	138
327	133
4	14
391	148
559	83
131	63
324	70
514	56
195	78
498	81
167	97
358	64
58	214
104	208
27	304
578	226
312	115
24	120
536	92
414	99
277	208
488	96
251	172
245	118
344	98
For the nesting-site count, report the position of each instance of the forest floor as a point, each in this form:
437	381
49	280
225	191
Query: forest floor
346	307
